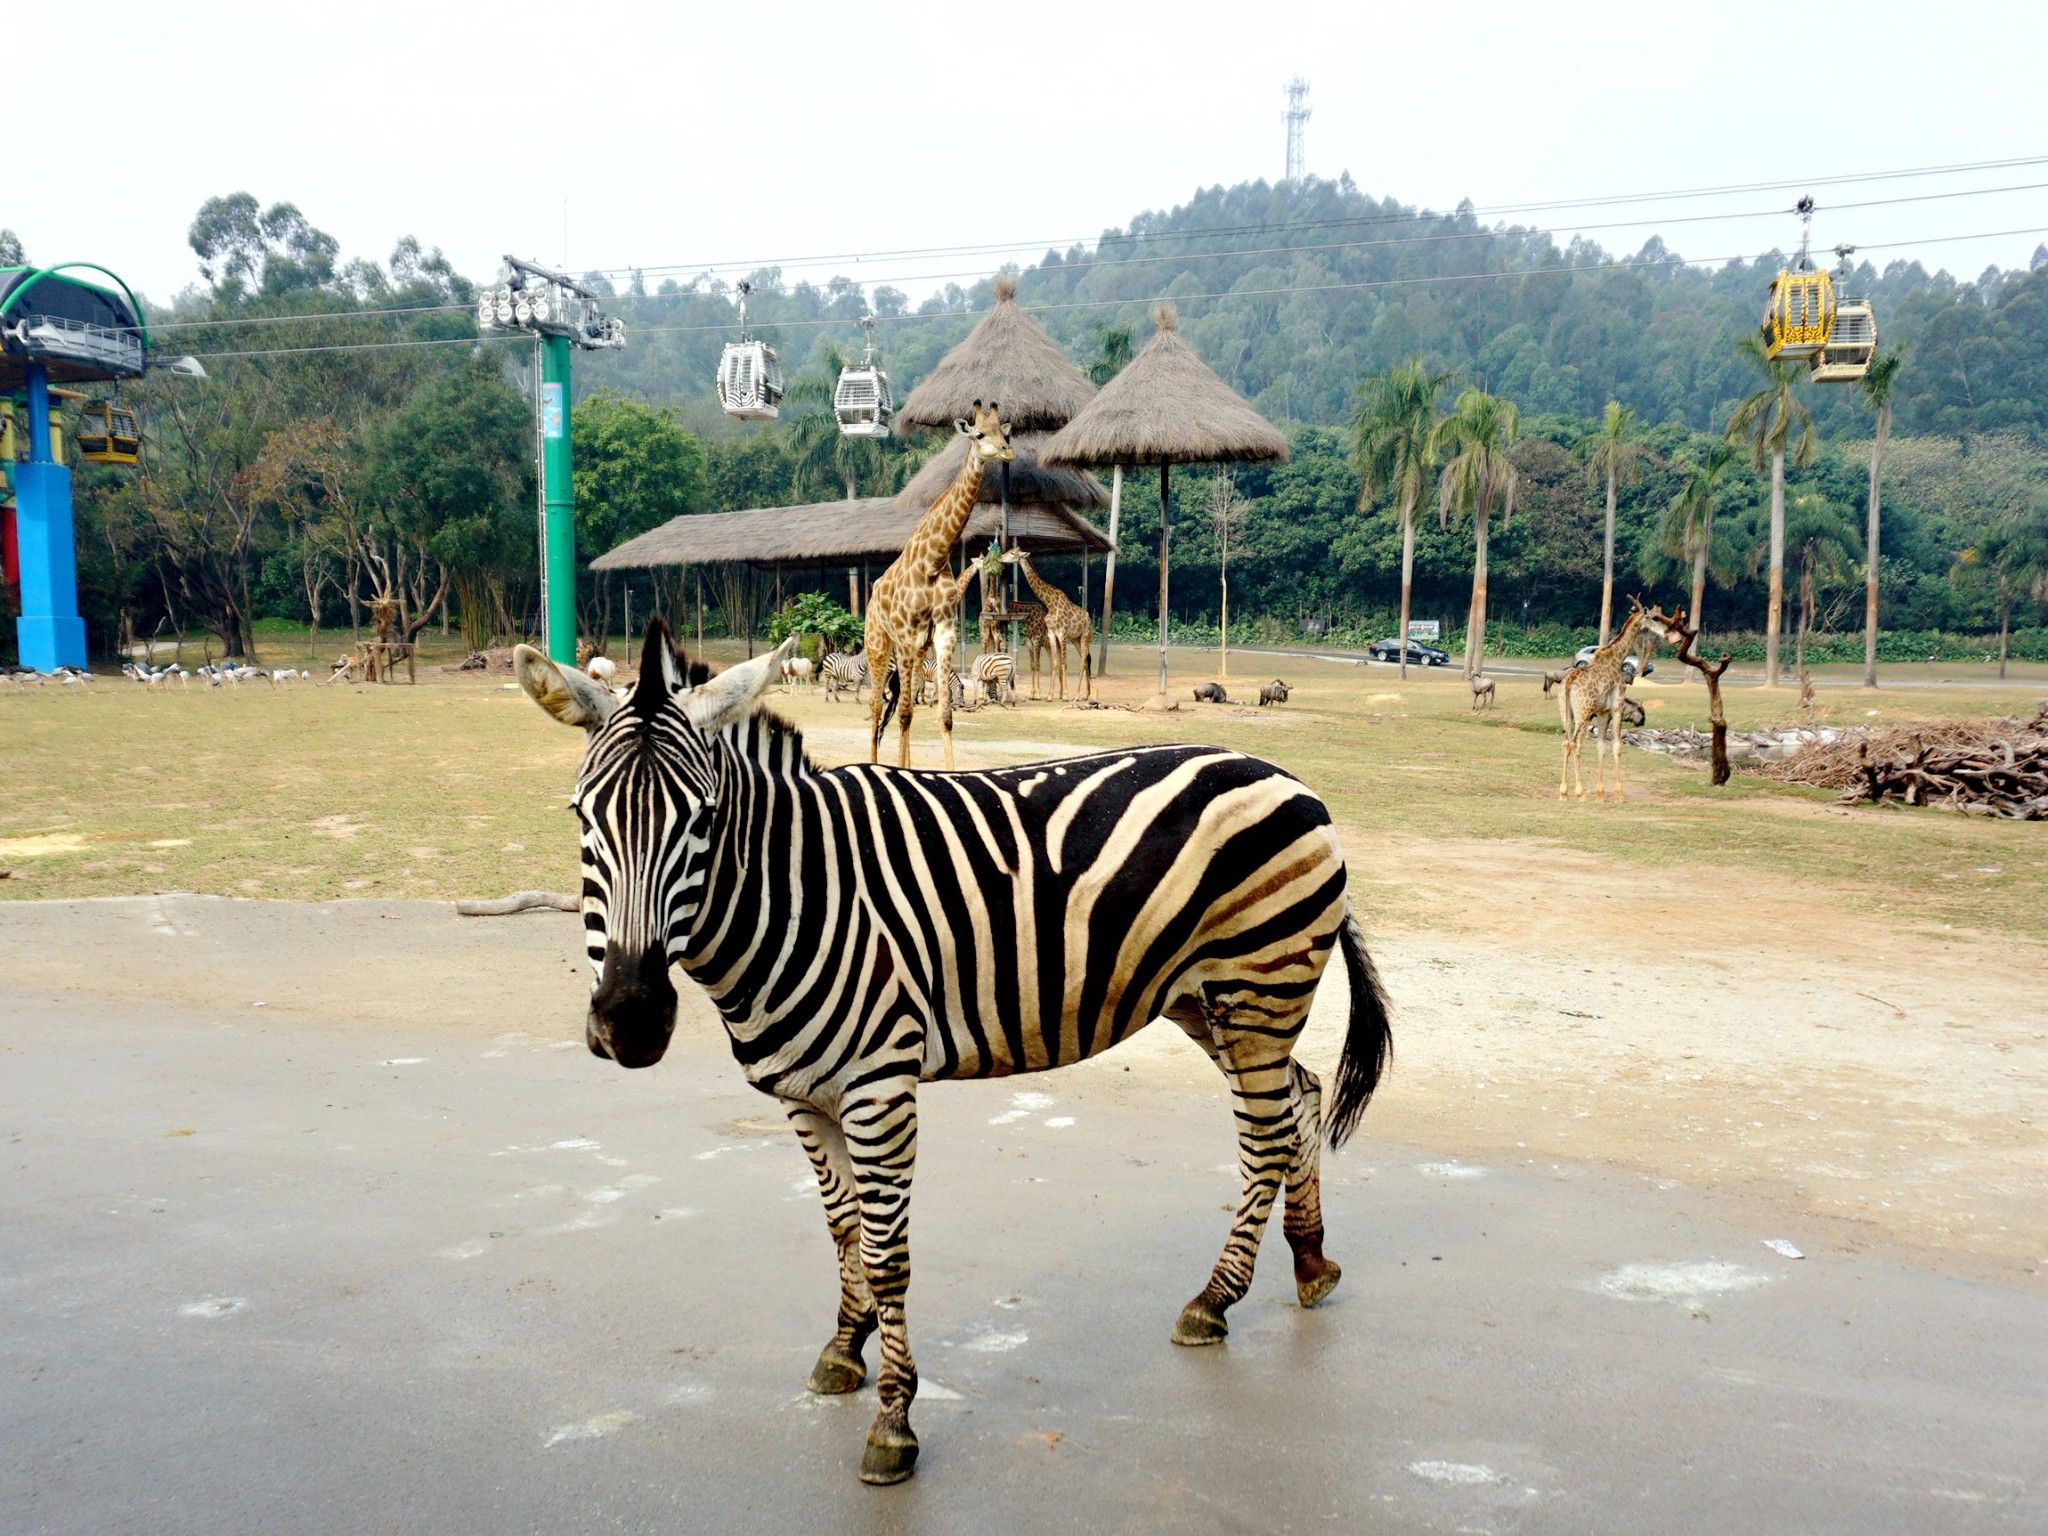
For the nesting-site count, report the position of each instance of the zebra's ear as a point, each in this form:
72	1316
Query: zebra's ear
713	705
569	696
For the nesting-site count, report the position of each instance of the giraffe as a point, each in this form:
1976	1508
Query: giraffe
914	608
1066	625
1597	690
996	616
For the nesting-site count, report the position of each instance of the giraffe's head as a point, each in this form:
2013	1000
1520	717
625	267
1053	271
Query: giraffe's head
987	434
1016	556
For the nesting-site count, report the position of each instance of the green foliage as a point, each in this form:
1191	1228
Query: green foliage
635	468
813	613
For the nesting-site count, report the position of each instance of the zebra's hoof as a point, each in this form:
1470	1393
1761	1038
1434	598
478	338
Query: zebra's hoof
1313	1289
835	1374
1198	1324
888	1461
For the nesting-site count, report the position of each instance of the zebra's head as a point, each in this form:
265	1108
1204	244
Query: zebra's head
646	800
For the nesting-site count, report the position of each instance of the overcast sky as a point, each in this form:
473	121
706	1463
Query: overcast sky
712	135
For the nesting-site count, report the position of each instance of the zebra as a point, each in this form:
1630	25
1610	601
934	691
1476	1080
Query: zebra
994	675
839	670
864	929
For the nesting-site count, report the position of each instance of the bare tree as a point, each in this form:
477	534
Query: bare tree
1226	511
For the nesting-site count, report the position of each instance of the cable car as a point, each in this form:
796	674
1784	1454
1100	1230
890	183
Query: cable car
1852	342
1800	311
107	434
861	398
749	376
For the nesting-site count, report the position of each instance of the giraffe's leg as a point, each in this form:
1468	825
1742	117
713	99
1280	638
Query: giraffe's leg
944	634
840	1367
1578	761
1059	659
909	670
1302	1223
1262	1098
879	649
881	1140
1600	756
1564	765
1614	730
1088	666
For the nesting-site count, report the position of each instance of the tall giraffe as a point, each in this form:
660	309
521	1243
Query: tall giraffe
1066	625
914	609
1597	690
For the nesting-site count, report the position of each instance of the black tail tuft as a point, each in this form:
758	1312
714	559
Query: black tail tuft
892	694
1368	1041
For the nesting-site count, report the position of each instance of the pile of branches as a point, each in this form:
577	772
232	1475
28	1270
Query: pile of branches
1980	767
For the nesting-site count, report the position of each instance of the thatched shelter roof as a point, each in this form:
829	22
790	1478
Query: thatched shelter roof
1006	359
1032	483
835	533
1166	407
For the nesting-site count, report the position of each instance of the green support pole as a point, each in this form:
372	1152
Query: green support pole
558	556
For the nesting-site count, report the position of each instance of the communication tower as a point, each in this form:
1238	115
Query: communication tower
1297	120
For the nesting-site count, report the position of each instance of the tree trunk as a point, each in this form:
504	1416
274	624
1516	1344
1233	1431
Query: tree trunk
1224	669
2004	635
1805	619
1775	619
1407	578
1884	422
1475	627
1607	566
1165	521
1699	579
1116	501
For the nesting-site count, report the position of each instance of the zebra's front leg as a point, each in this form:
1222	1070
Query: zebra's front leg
1315	1276
840	1367
881	1141
1262	1098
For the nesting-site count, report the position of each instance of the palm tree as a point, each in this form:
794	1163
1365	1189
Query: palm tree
1479	477
1820	541
1876	387
1773	422
1394	445
1112	353
1687	534
1618	458
2014	557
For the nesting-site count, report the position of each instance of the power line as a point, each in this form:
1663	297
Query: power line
1129	261
1239	293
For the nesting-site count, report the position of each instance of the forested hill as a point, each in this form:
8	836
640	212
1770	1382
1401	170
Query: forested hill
1295	292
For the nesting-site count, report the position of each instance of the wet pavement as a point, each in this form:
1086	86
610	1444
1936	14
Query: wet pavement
394	1252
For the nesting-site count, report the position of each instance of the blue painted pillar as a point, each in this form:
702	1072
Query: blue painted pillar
49	632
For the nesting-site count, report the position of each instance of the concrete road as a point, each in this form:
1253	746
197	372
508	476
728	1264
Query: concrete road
392	1252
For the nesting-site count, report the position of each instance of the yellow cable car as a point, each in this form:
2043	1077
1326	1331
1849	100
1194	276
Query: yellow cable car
107	434
1799	316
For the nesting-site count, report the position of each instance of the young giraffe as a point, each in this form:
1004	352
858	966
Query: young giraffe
914	609
1030	617
1597	690
1066	625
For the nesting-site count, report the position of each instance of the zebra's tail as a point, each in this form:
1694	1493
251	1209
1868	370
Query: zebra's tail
1368	1040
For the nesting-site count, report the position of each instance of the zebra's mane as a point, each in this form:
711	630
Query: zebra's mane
764	737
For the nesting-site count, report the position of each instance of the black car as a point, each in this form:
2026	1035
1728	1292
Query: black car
1423	655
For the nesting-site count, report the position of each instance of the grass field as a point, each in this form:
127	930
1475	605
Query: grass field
458	787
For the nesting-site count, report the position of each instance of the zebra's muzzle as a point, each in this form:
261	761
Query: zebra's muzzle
633	1010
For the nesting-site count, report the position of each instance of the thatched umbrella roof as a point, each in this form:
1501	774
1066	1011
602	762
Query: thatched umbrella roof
1166	407
1009	360
1032	482
832	533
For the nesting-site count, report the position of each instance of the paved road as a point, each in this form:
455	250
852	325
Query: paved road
394	1253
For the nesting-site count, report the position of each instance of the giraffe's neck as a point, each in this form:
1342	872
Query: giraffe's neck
931	542
1612	650
1045	593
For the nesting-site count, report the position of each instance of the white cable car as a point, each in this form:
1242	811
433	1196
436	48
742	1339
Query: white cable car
1852	342
861	398
749	377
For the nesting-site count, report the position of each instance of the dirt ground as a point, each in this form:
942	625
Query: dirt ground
1660	992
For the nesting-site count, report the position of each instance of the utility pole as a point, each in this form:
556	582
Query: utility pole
1297	120
560	313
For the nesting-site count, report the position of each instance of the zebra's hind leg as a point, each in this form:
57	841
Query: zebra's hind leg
1262	1099
1302	1224
881	1141
840	1367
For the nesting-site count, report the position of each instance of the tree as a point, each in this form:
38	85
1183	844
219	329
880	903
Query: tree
1478	477
1112	353
635	468
1687	534
1226	511
10	249
2013	559
1618	458
1820	541
1394	437
1772	422
1876	389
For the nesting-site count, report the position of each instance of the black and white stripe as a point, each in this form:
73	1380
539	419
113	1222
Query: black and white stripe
864	929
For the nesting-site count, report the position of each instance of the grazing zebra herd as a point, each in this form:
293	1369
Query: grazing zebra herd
866	929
